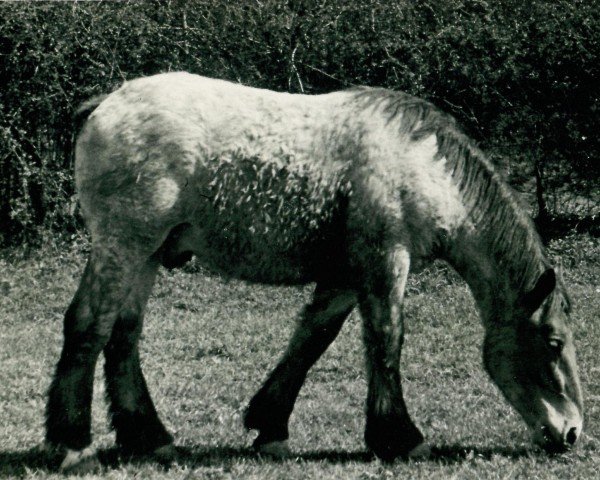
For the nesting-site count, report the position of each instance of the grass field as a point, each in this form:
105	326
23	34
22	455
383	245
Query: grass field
209	343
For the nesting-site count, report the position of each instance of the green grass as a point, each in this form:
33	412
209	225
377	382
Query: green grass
209	343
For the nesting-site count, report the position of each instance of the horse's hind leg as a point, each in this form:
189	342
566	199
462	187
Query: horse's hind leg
88	326
132	412
390	432
270	409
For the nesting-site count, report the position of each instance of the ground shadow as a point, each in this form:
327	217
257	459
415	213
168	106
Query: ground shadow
455	453
19	463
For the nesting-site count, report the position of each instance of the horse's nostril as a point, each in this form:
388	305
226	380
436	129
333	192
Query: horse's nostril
546	433
571	436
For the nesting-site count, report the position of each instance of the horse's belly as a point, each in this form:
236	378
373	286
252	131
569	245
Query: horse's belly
257	257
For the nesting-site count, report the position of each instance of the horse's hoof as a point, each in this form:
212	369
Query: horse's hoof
420	452
277	449
392	436
165	454
80	461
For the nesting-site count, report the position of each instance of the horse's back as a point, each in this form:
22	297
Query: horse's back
174	121
179	106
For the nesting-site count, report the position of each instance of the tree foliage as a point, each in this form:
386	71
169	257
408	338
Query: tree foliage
522	78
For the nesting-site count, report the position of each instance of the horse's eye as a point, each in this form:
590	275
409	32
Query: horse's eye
556	345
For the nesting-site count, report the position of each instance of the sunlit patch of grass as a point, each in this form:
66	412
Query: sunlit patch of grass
209	343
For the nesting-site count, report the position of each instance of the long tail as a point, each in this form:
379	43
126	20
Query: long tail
85	110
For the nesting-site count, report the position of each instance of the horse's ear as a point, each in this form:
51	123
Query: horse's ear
544	286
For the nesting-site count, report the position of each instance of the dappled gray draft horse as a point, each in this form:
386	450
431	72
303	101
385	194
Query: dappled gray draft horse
348	190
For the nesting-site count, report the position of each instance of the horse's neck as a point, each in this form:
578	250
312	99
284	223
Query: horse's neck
489	275
480	273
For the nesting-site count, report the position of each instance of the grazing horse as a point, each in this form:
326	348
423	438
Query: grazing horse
348	190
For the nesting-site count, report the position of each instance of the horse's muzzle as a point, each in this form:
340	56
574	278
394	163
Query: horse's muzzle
554	440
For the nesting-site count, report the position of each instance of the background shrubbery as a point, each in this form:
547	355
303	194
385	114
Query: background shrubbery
522	77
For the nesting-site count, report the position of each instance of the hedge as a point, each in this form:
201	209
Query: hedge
521	77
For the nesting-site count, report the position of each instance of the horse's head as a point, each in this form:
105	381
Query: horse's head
532	360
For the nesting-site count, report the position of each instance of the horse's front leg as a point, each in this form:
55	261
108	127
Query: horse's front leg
270	409
390	432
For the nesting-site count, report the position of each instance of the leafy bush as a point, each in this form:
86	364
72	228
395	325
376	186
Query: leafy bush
521	77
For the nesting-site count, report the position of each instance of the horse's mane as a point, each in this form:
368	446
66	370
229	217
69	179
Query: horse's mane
494	209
